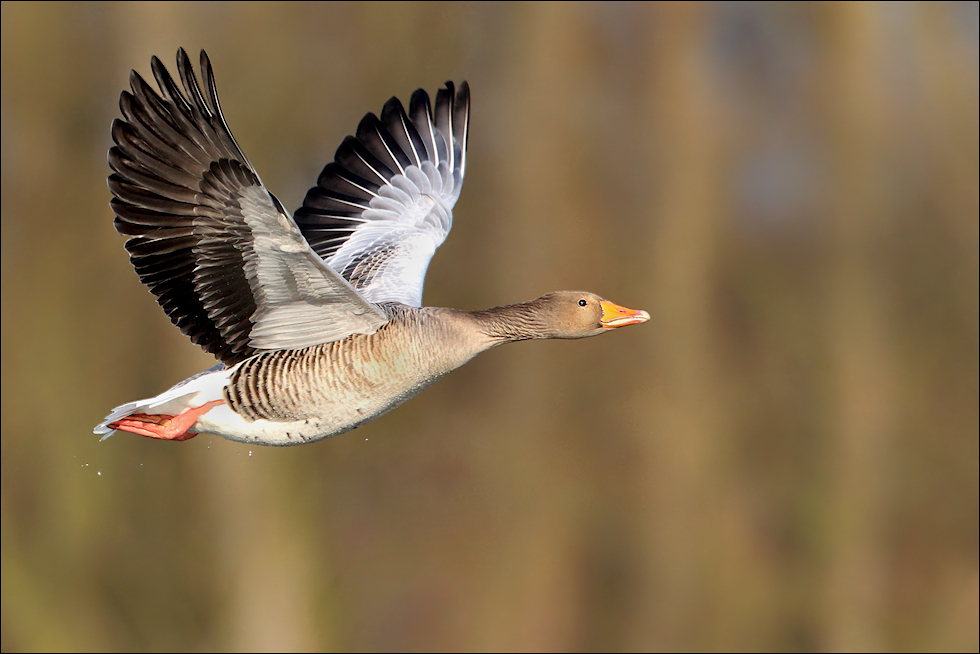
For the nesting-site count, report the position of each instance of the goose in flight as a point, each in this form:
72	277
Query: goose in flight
316	318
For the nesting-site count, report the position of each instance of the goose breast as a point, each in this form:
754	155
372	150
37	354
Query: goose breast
297	396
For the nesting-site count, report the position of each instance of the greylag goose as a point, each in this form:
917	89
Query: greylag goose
316	319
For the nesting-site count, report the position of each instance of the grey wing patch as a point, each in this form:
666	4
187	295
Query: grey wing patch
384	205
300	301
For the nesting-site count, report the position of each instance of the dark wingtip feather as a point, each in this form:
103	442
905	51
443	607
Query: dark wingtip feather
463	103
189	79
444	104
355	157
461	122
420	112
375	135
208	74
445	98
184	65
399	125
169	87
166	143
135	79
419	105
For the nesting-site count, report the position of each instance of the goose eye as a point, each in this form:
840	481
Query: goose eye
583	302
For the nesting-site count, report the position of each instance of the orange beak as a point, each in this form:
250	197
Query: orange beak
614	315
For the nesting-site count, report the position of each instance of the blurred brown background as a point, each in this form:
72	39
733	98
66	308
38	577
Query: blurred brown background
785	457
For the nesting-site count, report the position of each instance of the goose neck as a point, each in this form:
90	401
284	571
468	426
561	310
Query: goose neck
512	322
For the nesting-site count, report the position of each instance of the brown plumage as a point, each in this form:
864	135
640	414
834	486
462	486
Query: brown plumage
314	341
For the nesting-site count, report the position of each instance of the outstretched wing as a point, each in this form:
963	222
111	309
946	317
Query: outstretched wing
380	210
224	259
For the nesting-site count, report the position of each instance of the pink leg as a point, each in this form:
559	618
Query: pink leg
171	428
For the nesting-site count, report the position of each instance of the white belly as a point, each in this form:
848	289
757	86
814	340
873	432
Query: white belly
345	414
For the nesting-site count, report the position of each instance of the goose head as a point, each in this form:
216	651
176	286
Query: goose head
579	314
562	314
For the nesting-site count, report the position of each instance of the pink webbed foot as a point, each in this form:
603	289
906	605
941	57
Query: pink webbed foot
170	428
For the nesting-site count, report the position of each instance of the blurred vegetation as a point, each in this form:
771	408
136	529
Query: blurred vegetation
785	457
